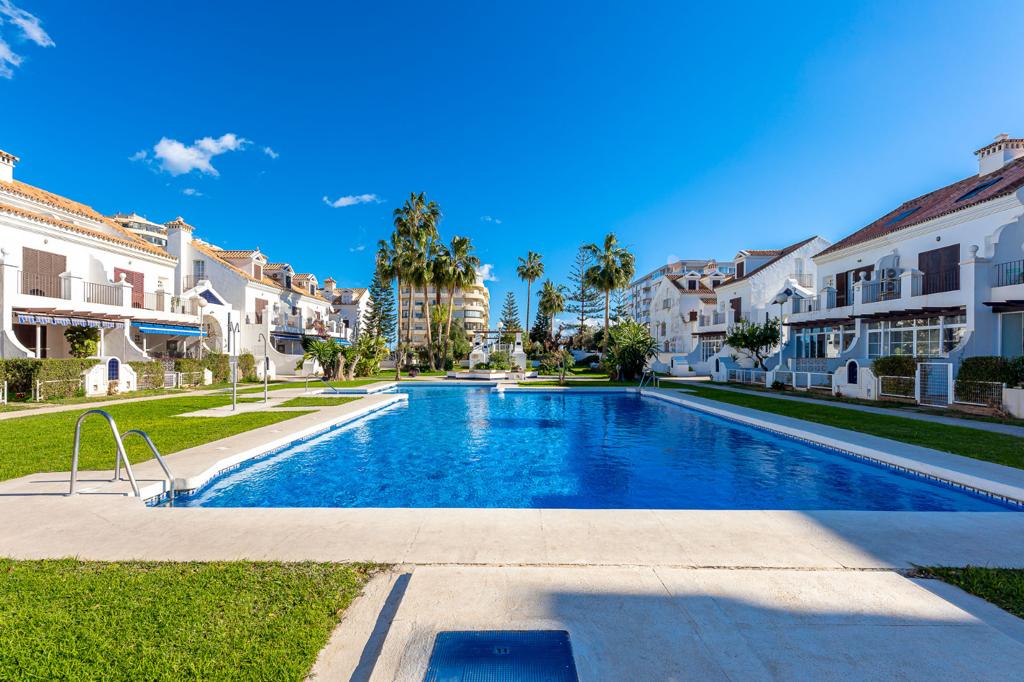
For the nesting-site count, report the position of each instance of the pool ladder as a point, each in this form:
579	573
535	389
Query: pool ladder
121	454
649	378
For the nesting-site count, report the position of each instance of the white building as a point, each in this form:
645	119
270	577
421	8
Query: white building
940	276
154	233
642	289
763	278
64	264
471	306
348	304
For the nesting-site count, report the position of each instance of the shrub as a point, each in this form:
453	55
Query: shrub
83	341
19	373
150	374
66	373
188	365
499	360
246	367
895	366
630	347
218	363
992	368
587	360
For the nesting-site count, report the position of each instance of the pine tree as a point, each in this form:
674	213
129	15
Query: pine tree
620	306
541	331
379	318
510	321
584	301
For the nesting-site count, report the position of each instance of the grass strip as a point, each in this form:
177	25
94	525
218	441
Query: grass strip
73	620
44	442
959	440
1003	587
316	402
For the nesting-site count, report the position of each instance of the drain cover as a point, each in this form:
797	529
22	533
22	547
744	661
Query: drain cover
502	656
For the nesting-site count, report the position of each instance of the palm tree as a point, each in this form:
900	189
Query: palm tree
455	268
416	223
552	301
613	268
530	269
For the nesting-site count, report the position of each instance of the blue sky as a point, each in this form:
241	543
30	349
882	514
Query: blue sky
691	131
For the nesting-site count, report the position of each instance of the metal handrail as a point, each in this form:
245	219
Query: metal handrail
120	452
650	377
156	453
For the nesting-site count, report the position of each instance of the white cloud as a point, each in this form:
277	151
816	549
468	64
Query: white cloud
138	156
191	192
178	158
486	273
490	219
31	29
270	152
354	249
352	200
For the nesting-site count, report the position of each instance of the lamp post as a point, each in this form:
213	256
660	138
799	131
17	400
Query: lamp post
233	328
202	305
781	298
266	365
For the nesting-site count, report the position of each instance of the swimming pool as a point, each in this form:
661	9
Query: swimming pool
474	447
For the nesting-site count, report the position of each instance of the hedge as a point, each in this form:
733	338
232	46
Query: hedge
992	368
895	366
149	374
219	365
21	375
246	367
188	365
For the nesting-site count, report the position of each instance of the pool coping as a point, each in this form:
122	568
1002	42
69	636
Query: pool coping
1004	492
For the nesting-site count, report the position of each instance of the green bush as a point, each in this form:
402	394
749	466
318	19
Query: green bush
895	366
188	365
218	363
67	375
149	374
19	373
83	341
587	360
246	367
992	368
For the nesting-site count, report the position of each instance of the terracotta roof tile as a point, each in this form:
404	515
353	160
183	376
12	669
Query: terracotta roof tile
763	252
940	202
216	254
237	254
779	255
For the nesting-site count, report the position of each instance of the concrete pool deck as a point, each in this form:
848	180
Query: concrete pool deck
645	594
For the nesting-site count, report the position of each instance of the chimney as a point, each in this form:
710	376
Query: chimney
994	156
329	285
179	245
7	163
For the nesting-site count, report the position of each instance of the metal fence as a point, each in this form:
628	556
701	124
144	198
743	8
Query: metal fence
1008	274
981	393
106	294
43	390
190	379
897	387
748	376
784	376
35	284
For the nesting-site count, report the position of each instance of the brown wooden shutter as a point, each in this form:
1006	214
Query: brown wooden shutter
42	269
261	307
137	280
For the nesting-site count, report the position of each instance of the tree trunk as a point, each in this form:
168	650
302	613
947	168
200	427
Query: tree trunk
398	332
528	284
430	336
604	341
448	324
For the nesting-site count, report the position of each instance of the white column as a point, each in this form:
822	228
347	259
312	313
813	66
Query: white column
124	289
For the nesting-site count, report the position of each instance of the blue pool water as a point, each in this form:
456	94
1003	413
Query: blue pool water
472	447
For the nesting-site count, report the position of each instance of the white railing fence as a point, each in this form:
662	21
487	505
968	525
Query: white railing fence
748	376
897	387
45	389
190	379
979	393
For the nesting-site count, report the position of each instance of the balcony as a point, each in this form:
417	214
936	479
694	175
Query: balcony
826	300
882	290
806	280
35	284
191	281
938	282
106	298
1009	274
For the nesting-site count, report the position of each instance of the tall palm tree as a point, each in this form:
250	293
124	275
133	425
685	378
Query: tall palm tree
552	301
530	269
416	221
613	269
454	269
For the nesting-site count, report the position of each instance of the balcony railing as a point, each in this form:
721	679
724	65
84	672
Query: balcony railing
881	290
1008	274
938	282
35	284
190	281
105	294
804	279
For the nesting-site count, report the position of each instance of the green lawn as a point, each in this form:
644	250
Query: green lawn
44	442
960	440
72	620
316	402
1004	587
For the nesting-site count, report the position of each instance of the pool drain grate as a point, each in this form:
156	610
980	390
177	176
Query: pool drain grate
502	656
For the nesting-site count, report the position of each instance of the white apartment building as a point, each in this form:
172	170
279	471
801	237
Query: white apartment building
154	233
642	289
940	276
278	307
348	304
763	278
471	306
64	264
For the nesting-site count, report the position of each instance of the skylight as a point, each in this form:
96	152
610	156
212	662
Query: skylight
901	215
979	188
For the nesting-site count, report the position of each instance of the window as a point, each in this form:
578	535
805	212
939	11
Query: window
1012	337
902	215
692	285
666	303
920	337
666	346
823	342
980	188
845	281
198	270
287	281
663	330
257	271
941	268
708	348
113	369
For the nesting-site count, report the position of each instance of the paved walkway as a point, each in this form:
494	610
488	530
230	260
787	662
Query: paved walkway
993	427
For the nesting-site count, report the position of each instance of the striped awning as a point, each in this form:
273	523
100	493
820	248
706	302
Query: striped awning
61	321
168	329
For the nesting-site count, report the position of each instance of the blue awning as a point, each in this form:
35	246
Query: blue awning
170	329
285	335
